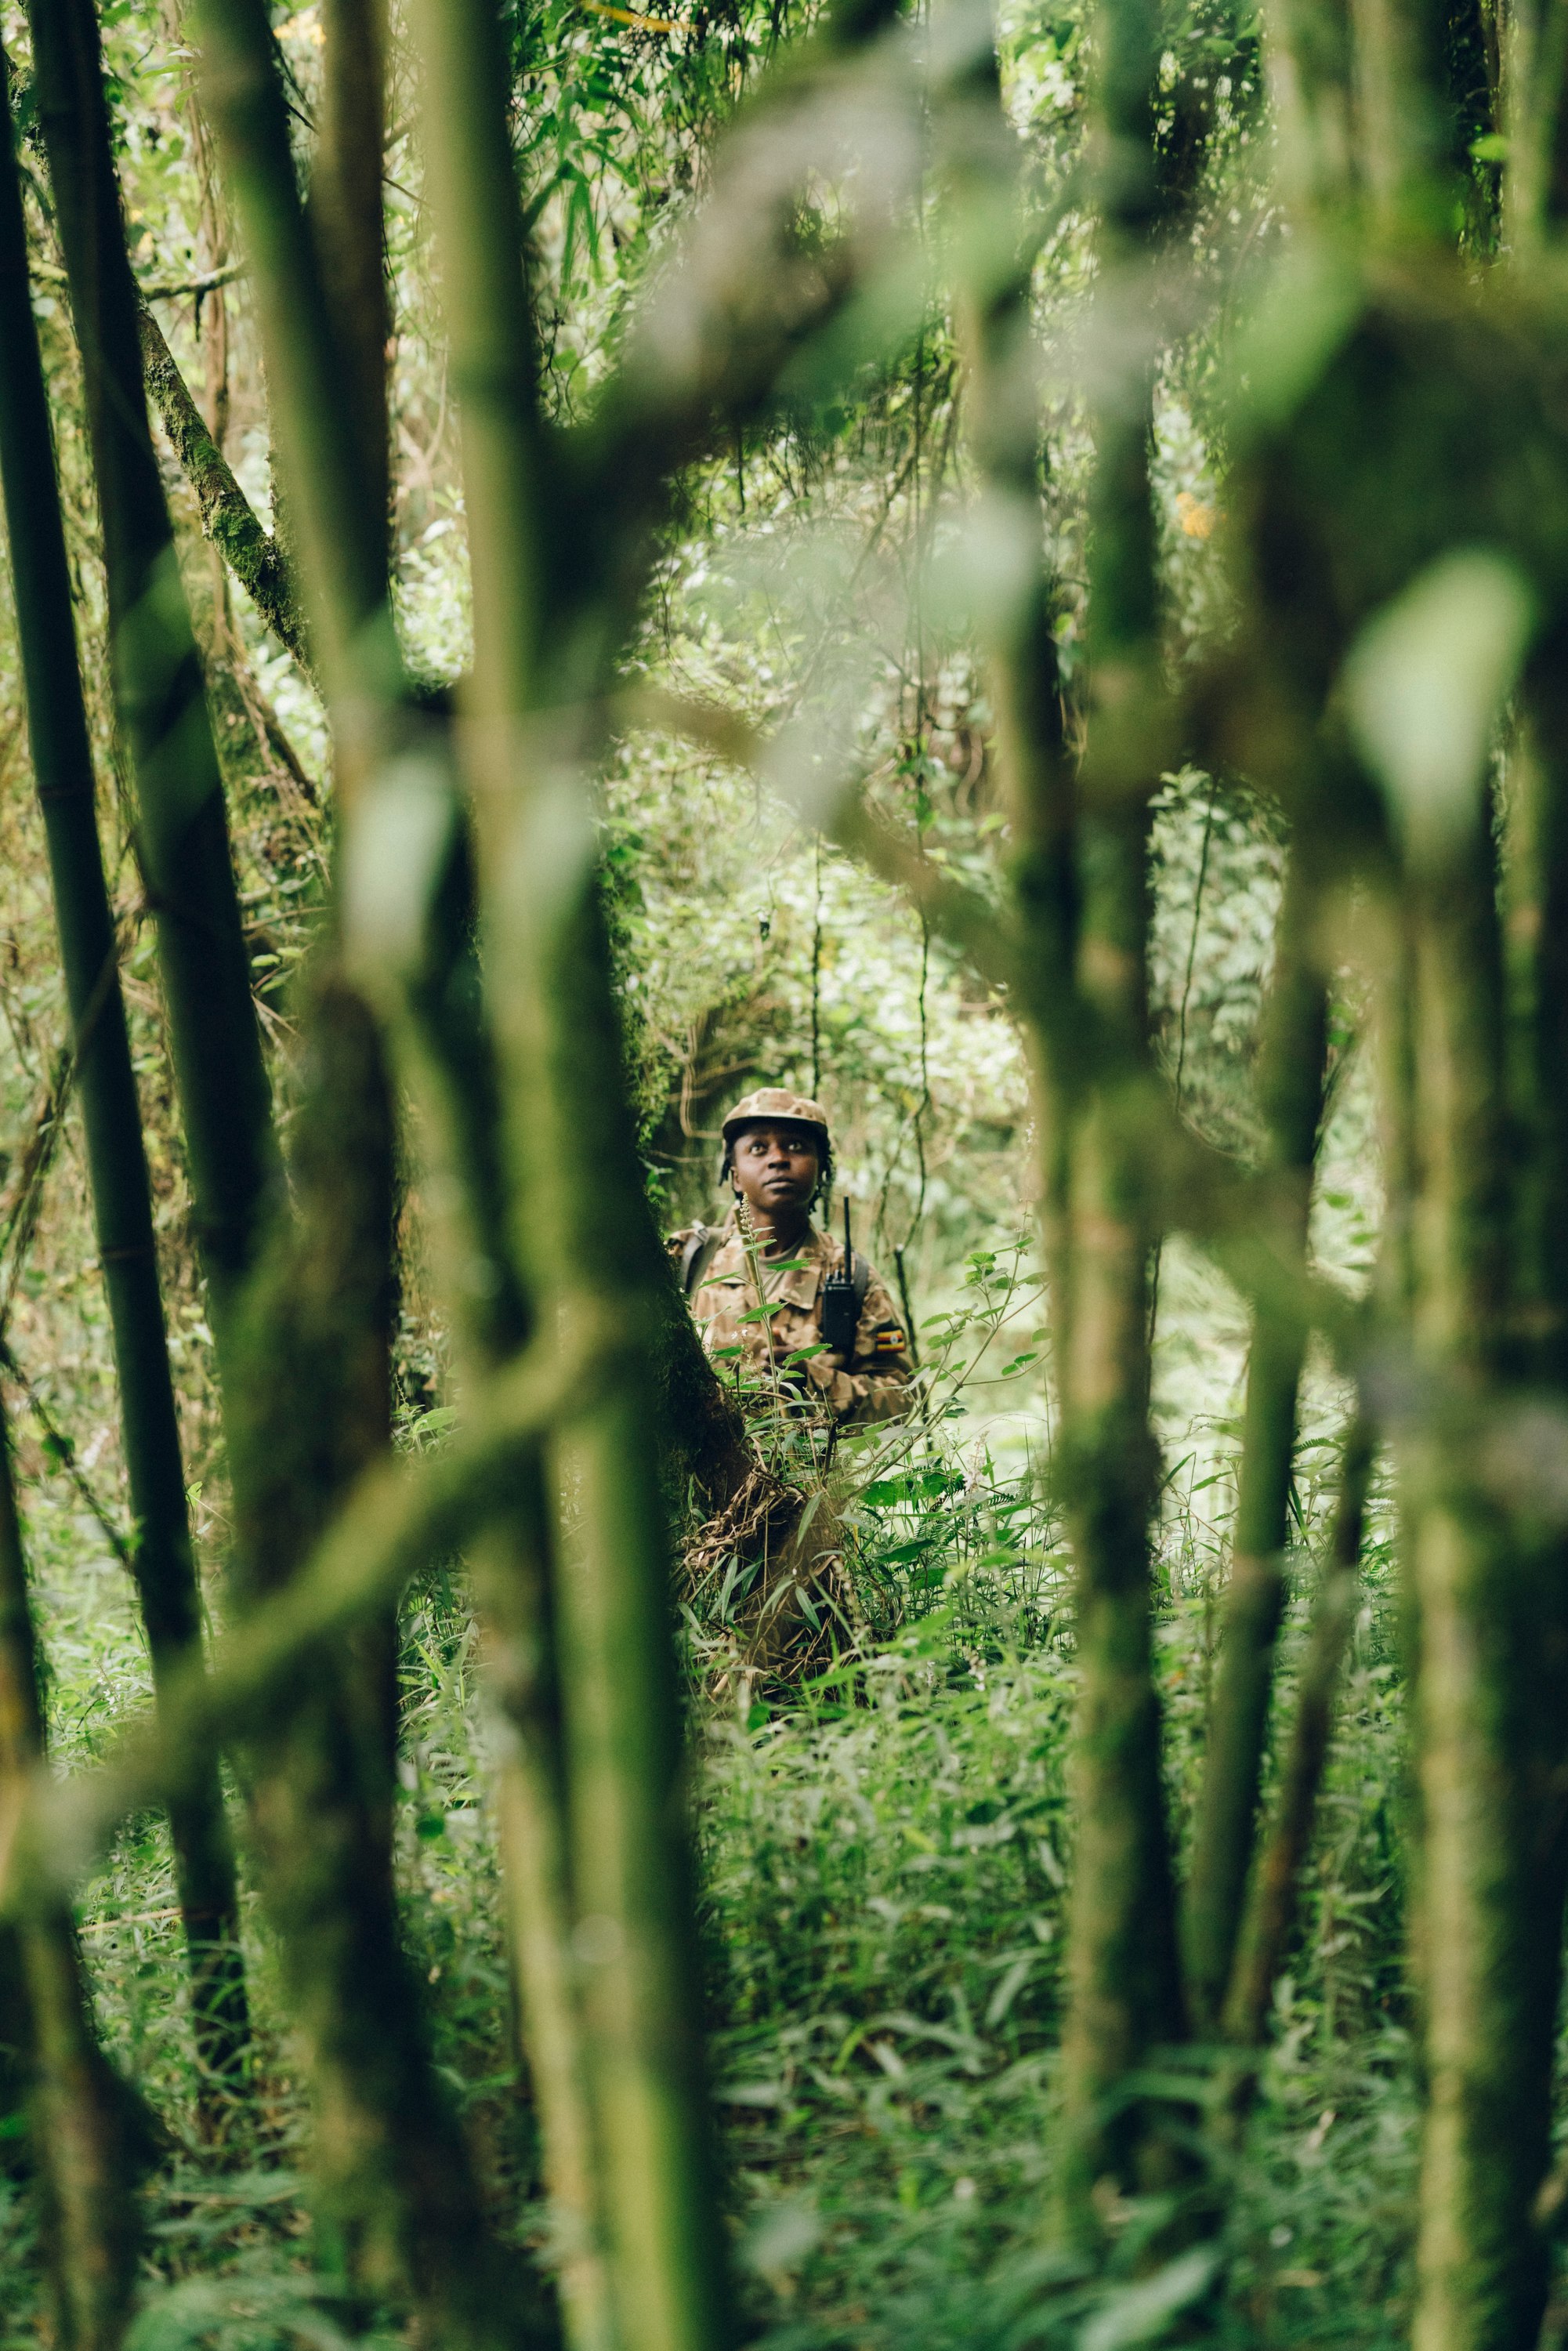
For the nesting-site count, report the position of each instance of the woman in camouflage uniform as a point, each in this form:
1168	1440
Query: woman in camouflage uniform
778	1160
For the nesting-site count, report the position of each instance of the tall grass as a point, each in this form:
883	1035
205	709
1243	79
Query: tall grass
884	1857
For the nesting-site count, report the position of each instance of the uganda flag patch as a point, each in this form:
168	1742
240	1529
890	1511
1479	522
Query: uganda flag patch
889	1342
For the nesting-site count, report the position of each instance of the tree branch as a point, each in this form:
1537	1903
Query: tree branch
229	519
398	1518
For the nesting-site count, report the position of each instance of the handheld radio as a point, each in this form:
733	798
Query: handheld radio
840	1306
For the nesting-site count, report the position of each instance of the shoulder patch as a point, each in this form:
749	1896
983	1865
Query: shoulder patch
889	1342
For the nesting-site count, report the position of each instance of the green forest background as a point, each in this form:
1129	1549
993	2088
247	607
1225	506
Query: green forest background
885	1841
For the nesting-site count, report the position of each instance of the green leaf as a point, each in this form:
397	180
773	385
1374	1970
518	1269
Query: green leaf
1141	2313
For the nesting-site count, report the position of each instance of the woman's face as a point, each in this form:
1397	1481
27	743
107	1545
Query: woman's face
776	1168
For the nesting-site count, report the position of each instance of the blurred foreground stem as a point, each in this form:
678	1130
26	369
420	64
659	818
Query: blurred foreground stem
587	1243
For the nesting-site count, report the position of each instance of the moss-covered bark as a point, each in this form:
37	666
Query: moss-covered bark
254	556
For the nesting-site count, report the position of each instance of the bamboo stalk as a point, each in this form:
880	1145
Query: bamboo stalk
588	1245
1080	891
78	2107
1125	1989
1271	1907
513	1567
332	463
633	1878
345	213
1489	1933
397	2201
1290	1086
456	1083
162	1561
1491	1282
397	1518
331	475
1537	947
182	829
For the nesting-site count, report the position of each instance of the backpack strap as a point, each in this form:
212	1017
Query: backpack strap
701	1248
860	1276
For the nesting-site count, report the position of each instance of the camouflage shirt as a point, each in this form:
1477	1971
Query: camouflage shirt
874	1385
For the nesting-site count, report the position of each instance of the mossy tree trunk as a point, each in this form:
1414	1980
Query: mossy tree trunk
255	558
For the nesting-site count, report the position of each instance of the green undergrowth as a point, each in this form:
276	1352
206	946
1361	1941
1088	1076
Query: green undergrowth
887	1861
887	1867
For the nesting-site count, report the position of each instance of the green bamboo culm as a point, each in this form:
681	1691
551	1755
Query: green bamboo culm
632	1876
80	2112
346	219
588	1249
333	473
513	1567
1124	1987
116	1162
451	1065
1273	1894
182	823
397	2199
396	2174
1079	907
1490	1932
452	1071
1290	1088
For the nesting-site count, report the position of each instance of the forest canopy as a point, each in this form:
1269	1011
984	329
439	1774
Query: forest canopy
1003	571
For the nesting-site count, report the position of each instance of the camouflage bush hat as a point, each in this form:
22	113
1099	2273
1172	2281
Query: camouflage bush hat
771	1103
